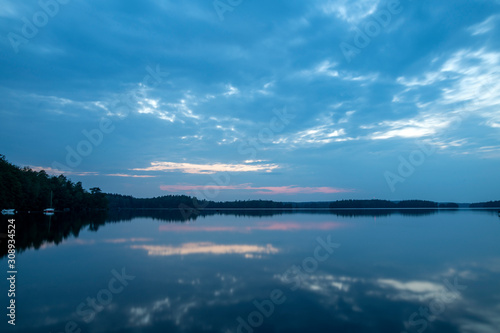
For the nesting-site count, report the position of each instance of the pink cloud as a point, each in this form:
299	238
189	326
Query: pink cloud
188	228
290	189
288	226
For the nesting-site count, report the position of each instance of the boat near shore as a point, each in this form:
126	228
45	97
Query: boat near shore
49	211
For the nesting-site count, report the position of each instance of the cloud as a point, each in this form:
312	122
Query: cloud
420	291
485	26
466	84
55	172
127	240
350	11
326	68
466	76
290	189
420	126
231	90
208	168
327	132
129	176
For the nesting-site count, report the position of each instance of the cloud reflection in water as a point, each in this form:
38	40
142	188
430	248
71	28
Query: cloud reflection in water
205	248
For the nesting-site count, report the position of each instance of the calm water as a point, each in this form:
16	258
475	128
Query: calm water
290	272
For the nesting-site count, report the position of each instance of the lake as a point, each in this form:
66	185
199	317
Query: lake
249	271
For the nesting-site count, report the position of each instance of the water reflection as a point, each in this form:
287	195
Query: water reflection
36	231
205	248
435	272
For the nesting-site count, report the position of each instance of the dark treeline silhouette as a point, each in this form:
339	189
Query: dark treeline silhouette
35	230
24	189
117	201
311	205
383	204
449	205
253	204
187	203
489	204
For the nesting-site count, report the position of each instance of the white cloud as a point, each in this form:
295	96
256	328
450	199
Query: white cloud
316	136
231	90
420	126
266	89
485	26
55	172
468	86
347	117
208	168
129	176
327	68
417	290
350	11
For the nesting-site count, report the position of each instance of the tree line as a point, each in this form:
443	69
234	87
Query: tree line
117	201
489	204
25	189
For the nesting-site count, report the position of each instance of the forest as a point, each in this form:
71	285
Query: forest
489	204
24	189
184	201
385	204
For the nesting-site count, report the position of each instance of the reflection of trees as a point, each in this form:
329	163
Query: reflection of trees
167	215
384	212
176	215
34	230
375	203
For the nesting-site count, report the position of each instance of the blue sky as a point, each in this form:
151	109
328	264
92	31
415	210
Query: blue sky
281	100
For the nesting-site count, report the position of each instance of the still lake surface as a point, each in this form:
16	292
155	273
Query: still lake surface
349	271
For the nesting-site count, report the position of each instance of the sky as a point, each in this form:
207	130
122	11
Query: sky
276	100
